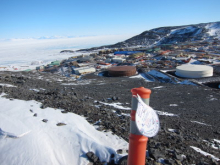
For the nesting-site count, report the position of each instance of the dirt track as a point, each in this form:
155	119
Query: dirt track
196	109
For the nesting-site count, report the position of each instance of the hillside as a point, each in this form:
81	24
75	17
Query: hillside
189	119
171	35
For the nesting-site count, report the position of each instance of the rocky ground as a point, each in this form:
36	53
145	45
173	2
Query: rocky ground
195	109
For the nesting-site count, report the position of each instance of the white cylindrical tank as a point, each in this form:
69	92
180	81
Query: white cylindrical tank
194	71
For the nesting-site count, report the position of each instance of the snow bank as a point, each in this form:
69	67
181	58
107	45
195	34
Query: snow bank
26	139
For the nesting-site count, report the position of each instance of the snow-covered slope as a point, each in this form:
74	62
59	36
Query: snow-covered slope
213	29
173	34
26	140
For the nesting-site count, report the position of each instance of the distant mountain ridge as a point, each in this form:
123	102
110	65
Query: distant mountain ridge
172	35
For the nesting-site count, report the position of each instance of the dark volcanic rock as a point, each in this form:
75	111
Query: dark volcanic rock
123	160
45	120
61	124
67	51
93	158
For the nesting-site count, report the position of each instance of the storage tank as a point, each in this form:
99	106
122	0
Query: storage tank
118	71
194	71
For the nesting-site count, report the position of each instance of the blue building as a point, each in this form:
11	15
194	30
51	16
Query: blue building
127	52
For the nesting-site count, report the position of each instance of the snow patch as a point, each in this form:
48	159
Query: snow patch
200	123
36	90
173	105
171	130
218	141
159	75
165	113
213	99
7	85
117	105
204	153
158	87
141	76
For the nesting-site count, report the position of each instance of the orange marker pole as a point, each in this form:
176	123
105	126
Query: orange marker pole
137	142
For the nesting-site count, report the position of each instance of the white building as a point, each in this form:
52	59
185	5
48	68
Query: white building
84	70
118	60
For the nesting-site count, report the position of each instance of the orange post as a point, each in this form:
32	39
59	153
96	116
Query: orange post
137	142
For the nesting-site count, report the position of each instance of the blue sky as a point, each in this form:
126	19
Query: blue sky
37	18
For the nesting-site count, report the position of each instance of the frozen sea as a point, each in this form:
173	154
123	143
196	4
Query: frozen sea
21	53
